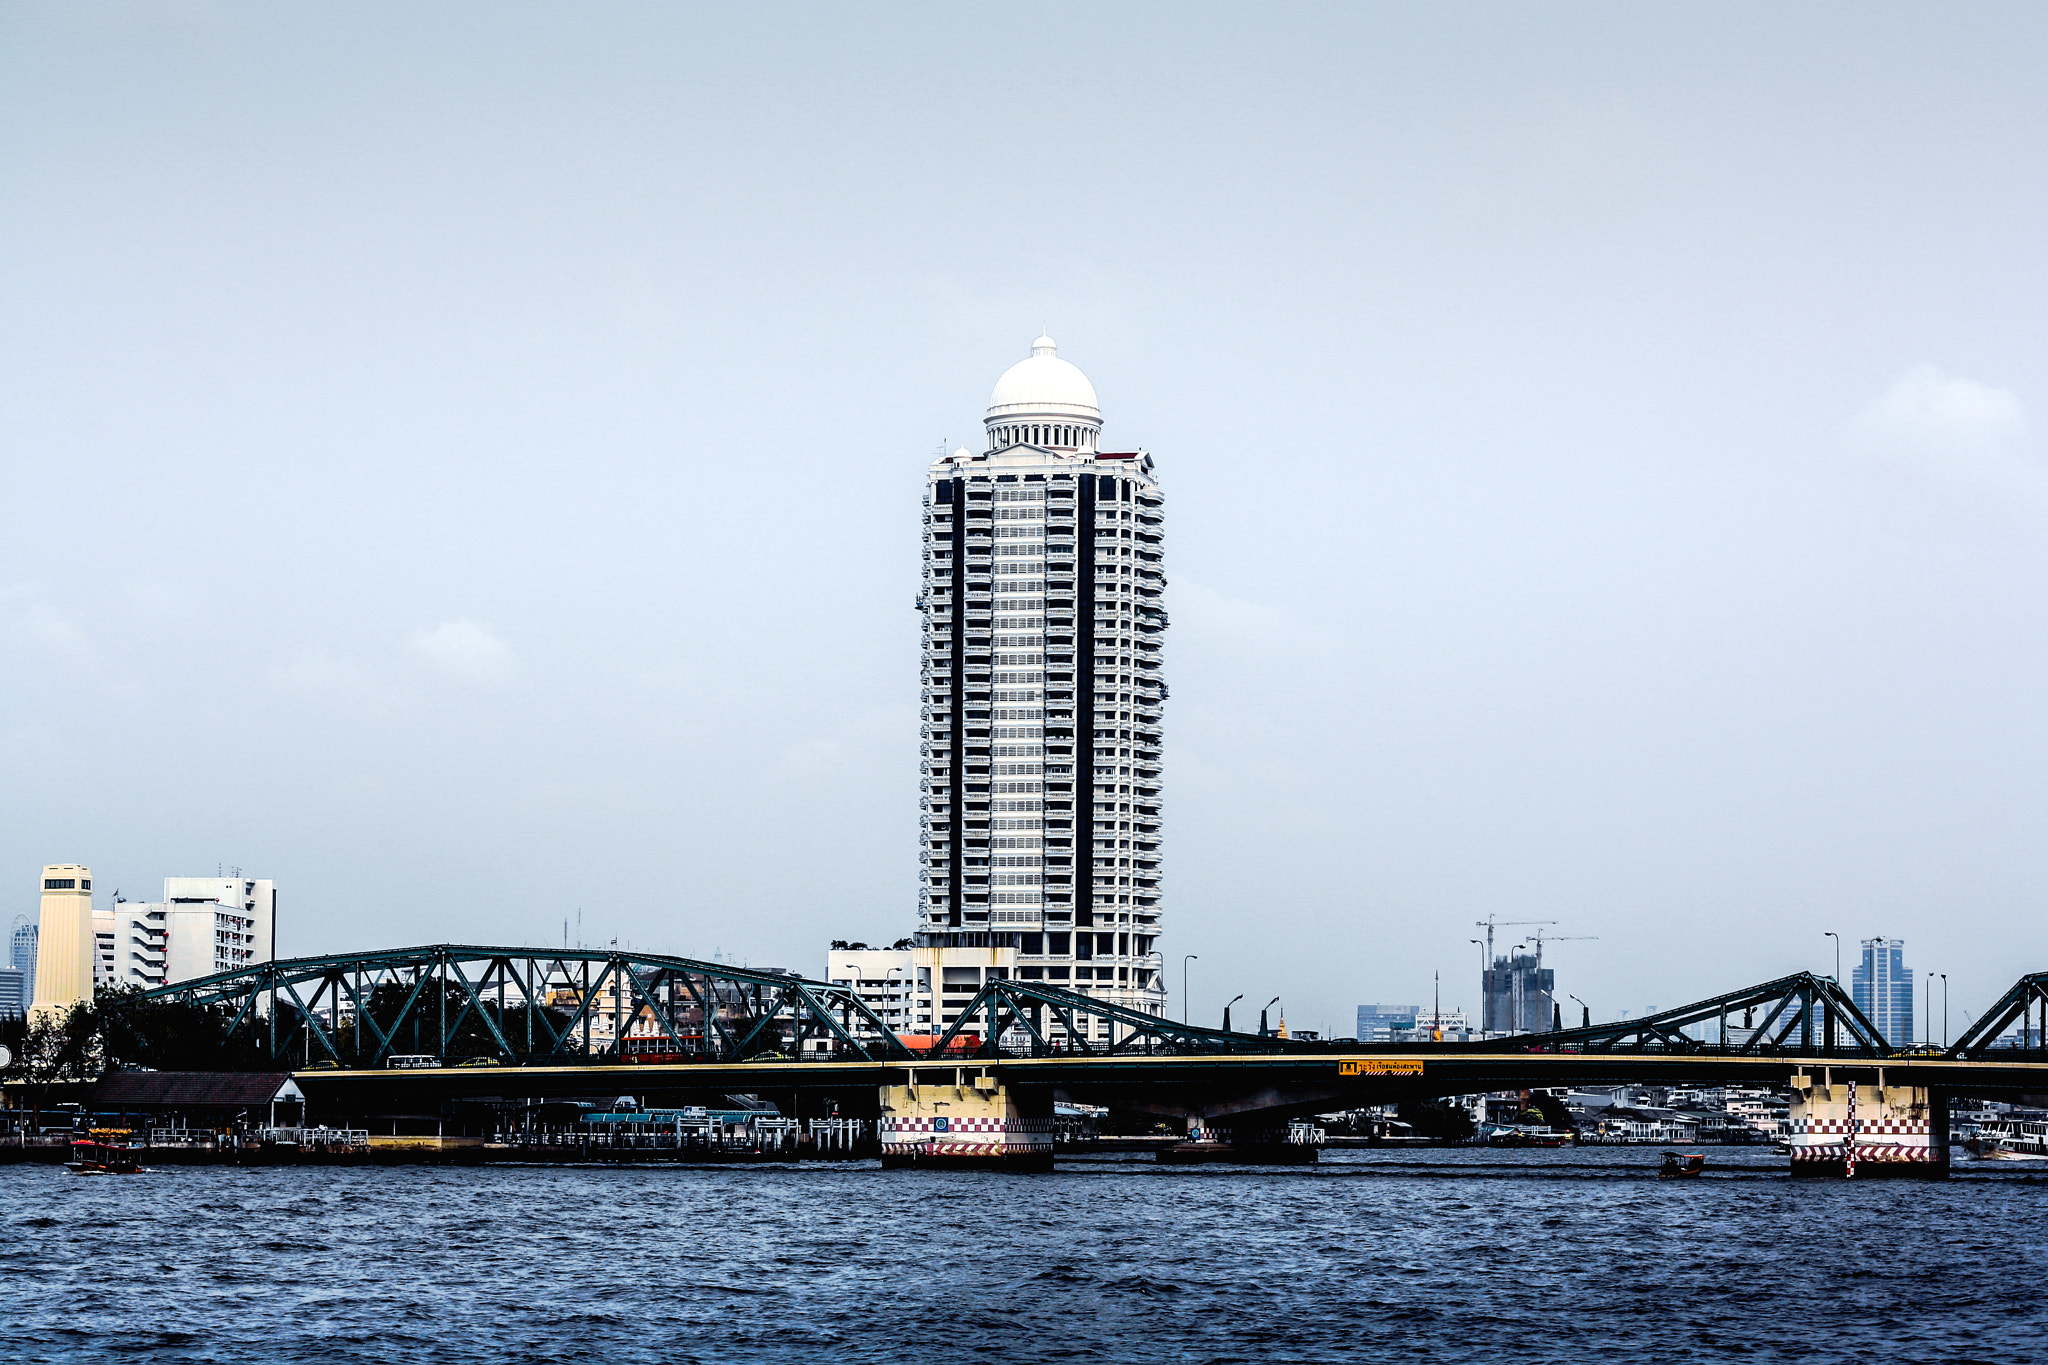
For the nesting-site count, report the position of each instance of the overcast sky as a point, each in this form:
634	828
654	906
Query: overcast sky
464	463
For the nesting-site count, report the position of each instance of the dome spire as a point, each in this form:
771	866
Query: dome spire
1043	401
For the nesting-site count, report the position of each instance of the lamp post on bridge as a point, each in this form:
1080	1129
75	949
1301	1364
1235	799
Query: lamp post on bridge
1944	1009
1481	946
1829	933
1226	1010
1184	984
1585	1010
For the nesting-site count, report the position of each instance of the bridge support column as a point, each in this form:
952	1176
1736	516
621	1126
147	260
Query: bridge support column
1898	1130
965	1118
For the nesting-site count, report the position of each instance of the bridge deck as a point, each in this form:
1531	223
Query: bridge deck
1221	1083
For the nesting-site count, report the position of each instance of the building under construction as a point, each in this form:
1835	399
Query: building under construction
1517	991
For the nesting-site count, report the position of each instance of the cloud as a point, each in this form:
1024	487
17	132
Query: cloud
1951	428
465	652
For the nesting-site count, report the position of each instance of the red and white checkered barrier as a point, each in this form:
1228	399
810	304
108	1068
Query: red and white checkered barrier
917	1134
1875	1140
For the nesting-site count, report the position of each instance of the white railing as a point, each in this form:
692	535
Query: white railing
317	1136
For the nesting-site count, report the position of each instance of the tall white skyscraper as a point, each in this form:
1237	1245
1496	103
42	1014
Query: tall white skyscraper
1041	743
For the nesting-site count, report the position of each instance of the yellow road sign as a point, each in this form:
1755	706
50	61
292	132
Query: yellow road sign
1380	1066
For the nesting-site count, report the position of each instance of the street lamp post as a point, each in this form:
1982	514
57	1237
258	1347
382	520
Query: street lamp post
1184	985
1262	1016
1944	1009
1585	1010
1483	1012
1927	1013
1226	1010
1829	933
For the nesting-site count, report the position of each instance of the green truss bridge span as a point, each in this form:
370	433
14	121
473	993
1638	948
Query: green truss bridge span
406	1029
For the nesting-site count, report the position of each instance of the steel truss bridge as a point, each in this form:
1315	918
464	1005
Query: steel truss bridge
491	1021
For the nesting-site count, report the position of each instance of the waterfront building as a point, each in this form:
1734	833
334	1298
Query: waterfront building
103	936
64	940
22	954
1043	574
203	926
882	978
1882	987
227	922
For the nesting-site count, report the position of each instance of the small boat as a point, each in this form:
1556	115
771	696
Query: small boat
2001	1152
93	1156
1678	1165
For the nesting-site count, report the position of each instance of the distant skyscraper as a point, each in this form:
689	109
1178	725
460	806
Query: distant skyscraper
64	940
1882	987
22	954
1042	696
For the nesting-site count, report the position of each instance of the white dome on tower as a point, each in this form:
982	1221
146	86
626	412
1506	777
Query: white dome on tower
1043	401
1043	386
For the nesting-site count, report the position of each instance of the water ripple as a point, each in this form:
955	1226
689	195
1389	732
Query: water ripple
1438	1256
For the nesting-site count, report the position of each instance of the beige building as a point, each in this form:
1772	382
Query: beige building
65	941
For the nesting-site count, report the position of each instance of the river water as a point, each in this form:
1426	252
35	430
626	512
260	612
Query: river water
1436	1255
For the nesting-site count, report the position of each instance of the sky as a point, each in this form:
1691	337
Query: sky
464	463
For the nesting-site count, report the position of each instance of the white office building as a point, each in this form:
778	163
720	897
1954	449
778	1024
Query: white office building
1043	575
203	926
882	978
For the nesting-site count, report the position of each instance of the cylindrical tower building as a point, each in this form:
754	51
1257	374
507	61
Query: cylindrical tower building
1043	575
64	941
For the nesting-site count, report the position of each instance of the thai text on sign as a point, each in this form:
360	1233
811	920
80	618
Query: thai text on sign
1380	1066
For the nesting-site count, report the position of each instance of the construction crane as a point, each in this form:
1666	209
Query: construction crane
1488	923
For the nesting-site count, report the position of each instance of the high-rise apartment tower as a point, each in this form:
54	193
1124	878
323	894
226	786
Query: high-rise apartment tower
1043	575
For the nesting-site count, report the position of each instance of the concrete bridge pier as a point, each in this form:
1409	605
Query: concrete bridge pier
965	1118
1851	1127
